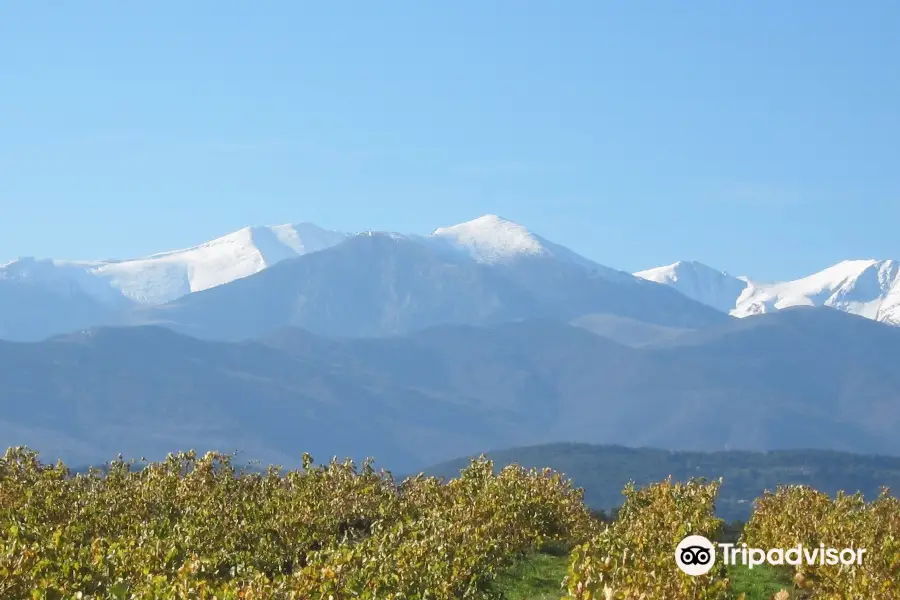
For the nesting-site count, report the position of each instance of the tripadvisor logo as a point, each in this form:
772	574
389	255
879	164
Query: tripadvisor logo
696	555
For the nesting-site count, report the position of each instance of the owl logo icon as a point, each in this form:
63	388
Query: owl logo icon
695	555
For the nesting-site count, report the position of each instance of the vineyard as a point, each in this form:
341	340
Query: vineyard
197	527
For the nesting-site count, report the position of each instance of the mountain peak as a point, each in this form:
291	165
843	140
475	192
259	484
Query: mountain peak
493	220
486	220
699	282
866	287
491	238
299	238
165	276
673	272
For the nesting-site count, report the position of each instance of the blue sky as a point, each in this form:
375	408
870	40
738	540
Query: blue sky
760	137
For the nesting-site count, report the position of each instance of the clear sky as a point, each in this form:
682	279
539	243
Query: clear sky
761	137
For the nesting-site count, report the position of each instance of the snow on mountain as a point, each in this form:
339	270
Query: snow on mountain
491	239
164	277
699	282
160	278
60	277
868	288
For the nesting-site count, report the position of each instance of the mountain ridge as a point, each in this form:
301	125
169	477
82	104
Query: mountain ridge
493	268
603	470
451	390
867	287
150	289
386	284
165	276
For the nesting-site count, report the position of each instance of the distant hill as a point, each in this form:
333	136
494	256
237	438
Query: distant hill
803	378
630	332
602	471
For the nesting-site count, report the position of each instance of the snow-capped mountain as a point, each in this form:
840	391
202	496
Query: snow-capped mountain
521	258
699	282
167	276
868	288
485	270
164	277
377	284
491	239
